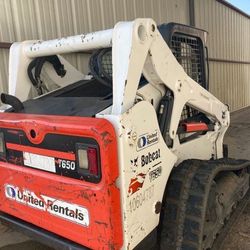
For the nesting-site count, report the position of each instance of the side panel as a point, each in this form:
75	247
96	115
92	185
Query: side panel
145	164
37	196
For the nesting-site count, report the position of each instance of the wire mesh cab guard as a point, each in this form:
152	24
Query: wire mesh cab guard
188	45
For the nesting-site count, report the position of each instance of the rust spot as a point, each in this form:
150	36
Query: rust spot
57	188
101	223
94	130
109	194
16	160
128	246
106	138
158	207
28	178
111	246
85	195
83	37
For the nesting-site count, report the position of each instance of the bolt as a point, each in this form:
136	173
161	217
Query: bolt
134	136
153	27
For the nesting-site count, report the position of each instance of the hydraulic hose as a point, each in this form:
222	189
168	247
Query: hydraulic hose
13	101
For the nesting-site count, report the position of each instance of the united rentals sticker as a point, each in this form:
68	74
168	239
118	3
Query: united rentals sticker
65	210
147	140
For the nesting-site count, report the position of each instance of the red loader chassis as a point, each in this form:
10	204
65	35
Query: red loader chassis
76	197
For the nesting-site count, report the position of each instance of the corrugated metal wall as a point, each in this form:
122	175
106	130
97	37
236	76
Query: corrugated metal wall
228	41
229	32
47	19
4	61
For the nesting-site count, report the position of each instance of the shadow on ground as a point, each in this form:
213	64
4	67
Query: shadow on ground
26	245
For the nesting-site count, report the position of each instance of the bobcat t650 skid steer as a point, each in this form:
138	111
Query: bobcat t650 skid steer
129	156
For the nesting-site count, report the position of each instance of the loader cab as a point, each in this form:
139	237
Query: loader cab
188	45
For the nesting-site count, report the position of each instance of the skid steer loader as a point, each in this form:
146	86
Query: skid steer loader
129	156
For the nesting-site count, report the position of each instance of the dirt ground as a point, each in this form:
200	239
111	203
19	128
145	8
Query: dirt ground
238	139
239	237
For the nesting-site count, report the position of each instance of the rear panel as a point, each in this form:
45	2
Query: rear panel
41	181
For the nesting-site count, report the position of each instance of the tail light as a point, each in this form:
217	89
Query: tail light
88	162
92	161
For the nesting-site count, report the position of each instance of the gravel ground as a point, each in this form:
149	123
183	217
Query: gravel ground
238	137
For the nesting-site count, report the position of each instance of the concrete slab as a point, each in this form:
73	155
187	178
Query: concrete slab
238	135
9	237
238	140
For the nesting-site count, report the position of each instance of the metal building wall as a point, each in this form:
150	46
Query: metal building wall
4	61
47	19
229	51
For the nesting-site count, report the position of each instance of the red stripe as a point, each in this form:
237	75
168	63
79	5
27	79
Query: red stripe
41	151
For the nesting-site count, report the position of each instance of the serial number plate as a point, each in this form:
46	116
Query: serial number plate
39	161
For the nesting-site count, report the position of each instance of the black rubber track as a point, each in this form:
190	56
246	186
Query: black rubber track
185	202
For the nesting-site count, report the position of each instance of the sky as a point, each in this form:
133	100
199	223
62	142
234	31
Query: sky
241	4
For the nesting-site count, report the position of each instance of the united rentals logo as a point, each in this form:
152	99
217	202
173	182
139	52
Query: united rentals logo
65	210
147	140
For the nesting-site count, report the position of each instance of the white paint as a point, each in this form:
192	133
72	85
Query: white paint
39	161
83	42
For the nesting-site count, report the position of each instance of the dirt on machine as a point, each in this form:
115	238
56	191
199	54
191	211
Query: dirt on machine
129	155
